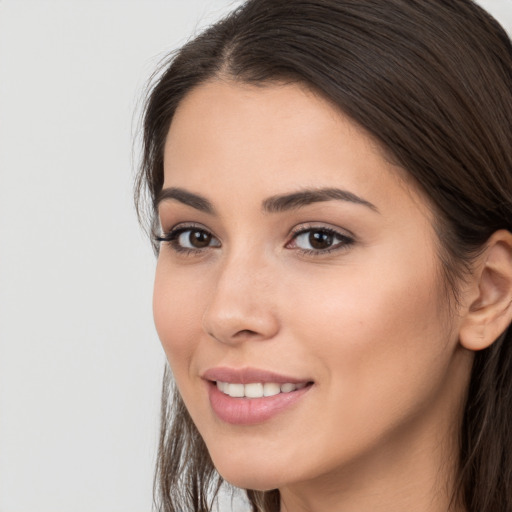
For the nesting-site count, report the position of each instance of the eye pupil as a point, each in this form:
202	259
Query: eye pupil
320	239
199	239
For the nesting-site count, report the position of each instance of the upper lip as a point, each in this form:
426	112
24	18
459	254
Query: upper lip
248	375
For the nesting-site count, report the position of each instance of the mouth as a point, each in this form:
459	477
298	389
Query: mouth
258	389
249	396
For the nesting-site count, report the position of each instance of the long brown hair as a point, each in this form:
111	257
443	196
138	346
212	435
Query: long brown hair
431	80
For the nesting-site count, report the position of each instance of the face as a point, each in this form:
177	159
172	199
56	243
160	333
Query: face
298	294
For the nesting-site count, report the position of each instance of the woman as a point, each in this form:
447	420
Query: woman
331	204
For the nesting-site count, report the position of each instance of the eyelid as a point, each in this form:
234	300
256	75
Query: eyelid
171	235
186	225
319	225
346	237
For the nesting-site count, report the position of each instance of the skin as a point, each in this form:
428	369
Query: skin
368	322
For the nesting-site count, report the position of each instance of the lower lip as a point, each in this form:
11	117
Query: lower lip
251	411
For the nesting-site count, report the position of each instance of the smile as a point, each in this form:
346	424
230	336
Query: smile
257	389
248	396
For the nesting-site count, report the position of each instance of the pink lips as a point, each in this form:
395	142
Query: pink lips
250	411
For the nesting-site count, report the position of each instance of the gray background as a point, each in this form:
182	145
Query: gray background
80	363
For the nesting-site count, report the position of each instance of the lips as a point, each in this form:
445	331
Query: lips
249	396
248	376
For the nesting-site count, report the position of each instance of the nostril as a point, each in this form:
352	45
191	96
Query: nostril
246	332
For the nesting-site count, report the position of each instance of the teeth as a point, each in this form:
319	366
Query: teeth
271	389
257	389
236	390
223	386
253	390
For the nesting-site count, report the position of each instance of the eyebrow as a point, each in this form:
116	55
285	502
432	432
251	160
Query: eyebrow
302	198
274	204
178	194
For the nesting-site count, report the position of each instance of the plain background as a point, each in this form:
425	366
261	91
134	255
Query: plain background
80	363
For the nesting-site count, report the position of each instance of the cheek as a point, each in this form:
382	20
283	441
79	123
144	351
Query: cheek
177	315
379	348
376	327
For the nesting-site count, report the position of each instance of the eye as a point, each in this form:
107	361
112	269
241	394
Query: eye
189	239
194	239
319	240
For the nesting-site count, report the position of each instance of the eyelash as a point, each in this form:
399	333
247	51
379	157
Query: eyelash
344	242
172	236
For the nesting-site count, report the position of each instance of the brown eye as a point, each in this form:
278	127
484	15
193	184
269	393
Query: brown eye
320	239
189	239
199	239
195	239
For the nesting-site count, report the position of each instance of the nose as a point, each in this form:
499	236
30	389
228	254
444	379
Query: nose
242	306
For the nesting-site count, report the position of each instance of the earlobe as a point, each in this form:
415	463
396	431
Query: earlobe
490	313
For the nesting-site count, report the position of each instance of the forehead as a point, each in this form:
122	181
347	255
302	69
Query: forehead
233	112
266	140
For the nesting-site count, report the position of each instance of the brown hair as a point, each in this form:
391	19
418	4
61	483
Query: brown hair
431	80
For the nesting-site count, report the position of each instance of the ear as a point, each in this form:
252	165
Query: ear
489	310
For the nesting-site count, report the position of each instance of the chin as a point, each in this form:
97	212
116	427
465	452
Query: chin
247	475
253	482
